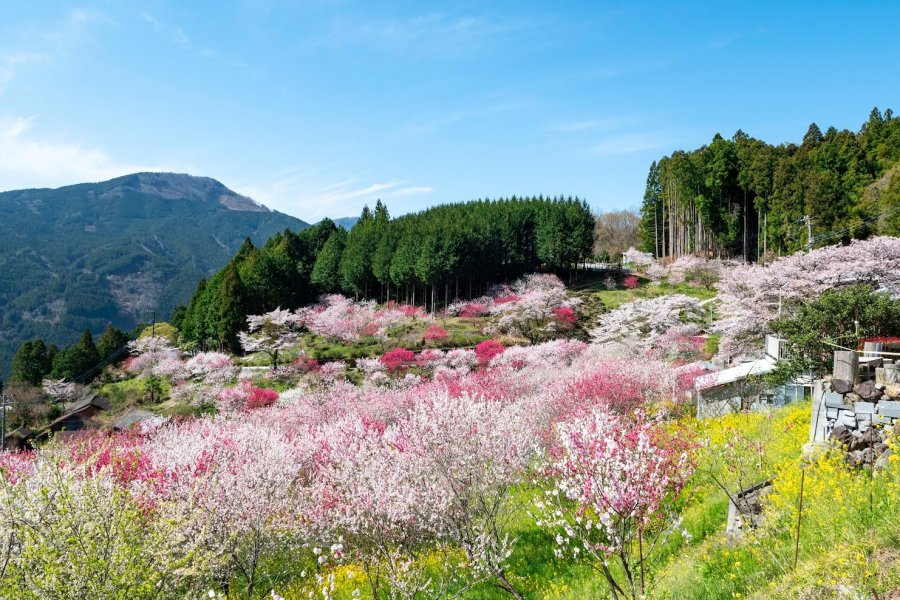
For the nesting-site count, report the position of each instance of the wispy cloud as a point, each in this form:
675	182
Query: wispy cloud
434	33
46	45
28	161
176	36
308	194
724	40
601	124
173	33
629	143
438	122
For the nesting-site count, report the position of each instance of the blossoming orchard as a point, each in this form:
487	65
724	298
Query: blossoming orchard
557	456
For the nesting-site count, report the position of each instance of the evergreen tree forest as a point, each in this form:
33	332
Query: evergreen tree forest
742	197
428	258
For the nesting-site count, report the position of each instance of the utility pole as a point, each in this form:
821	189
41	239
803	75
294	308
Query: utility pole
153	323
809	236
4	404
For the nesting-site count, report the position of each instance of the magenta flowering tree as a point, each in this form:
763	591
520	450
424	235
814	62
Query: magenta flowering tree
487	350
397	359
613	492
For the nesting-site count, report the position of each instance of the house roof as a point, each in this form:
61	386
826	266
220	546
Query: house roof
738	373
21	432
135	415
95	400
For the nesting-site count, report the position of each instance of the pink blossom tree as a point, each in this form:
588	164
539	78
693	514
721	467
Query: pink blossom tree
613	493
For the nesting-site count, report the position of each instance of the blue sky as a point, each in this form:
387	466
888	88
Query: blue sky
316	108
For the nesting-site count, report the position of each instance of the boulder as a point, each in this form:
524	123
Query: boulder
867	391
871	437
841	386
892	391
852	397
842	435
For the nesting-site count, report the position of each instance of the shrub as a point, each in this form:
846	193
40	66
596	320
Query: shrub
487	350
565	315
631	282
436	332
397	359
261	397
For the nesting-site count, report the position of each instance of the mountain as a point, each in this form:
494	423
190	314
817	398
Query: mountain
346	222
86	255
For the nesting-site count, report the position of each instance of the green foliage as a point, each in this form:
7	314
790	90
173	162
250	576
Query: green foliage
32	362
76	360
65	536
741	196
838	317
232	309
326	272
110	341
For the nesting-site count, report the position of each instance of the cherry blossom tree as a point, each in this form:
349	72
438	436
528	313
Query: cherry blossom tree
640	324
61	390
754	295
271	333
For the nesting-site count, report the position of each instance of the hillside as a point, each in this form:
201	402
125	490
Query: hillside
96	253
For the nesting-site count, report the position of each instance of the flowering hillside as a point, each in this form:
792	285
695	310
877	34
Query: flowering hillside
527	465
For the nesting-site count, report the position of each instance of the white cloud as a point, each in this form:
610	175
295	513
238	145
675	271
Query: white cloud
29	161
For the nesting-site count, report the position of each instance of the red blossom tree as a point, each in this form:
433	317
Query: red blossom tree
397	359
487	350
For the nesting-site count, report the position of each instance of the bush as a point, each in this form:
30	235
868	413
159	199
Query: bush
397	359
435	332
487	350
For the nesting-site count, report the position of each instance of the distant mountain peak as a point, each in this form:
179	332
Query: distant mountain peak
180	186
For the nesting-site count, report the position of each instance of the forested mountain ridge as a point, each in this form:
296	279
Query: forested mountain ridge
742	197
86	255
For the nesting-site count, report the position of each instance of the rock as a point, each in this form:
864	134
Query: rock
847	419
857	443
867	391
852	397
841	386
833	400
892	391
868	456
842	435
855	458
884	459
889	408
880	448
871	437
